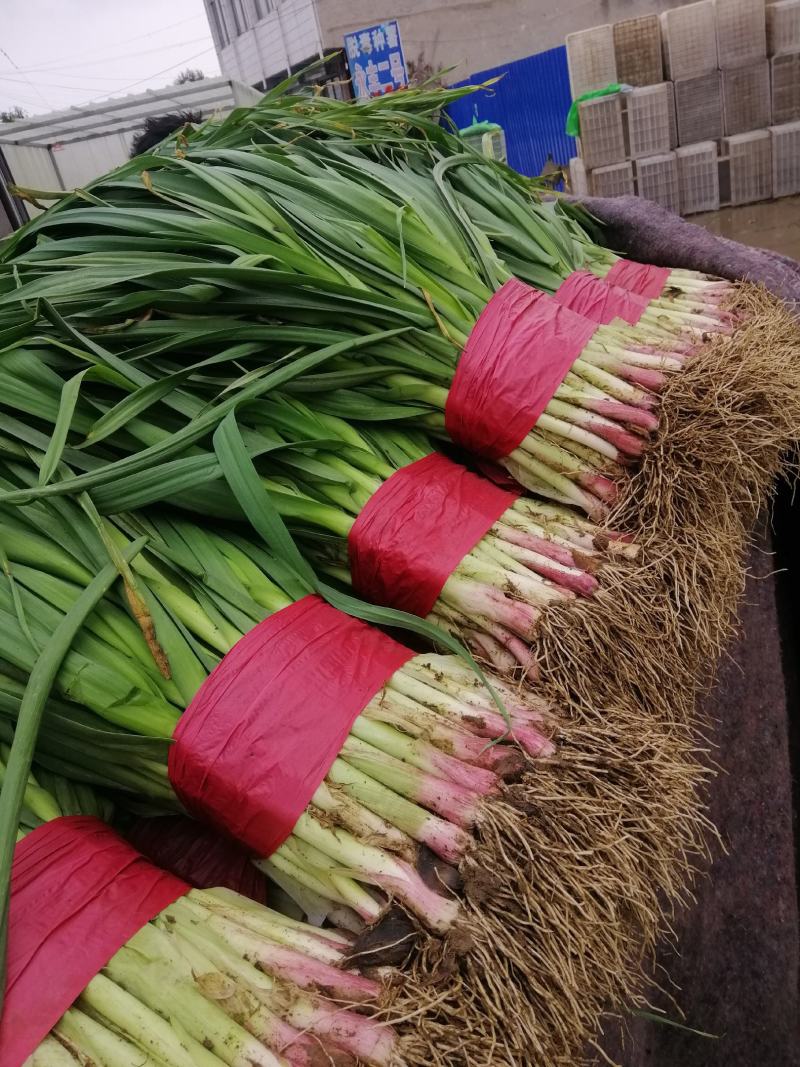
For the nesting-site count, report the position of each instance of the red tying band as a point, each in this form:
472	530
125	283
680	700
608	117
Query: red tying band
78	893
516	357
270	719
198	853
595	299
415	530
641	278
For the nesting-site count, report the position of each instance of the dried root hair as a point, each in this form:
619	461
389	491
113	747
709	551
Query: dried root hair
730	424
563	895
577	868
652	635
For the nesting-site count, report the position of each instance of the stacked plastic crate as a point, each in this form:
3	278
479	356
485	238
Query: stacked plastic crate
592	65
591	60
709	113
651	140
690	58
783	43
746	100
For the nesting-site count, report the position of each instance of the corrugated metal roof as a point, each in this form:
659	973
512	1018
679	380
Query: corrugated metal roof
125	113
530	102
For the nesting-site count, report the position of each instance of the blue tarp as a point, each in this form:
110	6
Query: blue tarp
530	102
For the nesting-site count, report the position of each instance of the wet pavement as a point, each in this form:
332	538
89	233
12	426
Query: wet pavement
773	224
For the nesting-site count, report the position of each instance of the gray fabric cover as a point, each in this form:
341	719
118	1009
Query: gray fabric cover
736	958
651	234
735	962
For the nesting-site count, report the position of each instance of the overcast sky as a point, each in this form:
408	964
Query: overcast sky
59	53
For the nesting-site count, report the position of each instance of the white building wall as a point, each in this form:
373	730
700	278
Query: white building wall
76	148
286	35
301	29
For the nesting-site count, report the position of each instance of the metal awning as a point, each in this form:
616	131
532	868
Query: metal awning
126	113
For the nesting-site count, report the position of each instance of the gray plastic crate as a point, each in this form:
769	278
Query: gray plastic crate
657	179
746	98
785	78
741	32
637	47
650	122
590	59
785	159
578	179
750	166
602	139
698	177
616	180
783	27
689	37
698	108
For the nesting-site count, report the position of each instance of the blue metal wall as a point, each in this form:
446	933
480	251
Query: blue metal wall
530	102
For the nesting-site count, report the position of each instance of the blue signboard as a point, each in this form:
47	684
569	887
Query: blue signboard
376	60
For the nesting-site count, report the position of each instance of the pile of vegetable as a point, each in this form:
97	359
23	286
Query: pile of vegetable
421	815
316	370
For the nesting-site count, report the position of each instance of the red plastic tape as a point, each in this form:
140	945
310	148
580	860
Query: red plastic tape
415	530
595	299
641	278
78	893
515	358
268	722
198	853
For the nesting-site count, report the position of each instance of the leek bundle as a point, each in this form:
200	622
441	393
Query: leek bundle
213	979
406	127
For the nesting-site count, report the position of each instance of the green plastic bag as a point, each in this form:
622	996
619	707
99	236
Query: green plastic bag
573	126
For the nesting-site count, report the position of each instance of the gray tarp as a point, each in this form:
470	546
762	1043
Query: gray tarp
649	233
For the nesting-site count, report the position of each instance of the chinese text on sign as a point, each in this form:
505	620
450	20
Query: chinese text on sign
376	60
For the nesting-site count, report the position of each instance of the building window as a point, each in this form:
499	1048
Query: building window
263	8
218	23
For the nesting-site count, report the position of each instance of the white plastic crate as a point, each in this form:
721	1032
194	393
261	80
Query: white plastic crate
616	180
602	139
750	166
590	59
783	27
673	118
698	177
741	32
785	159
689	36
746	98
657	179
785	79
698	108
578	179
637	47
650	122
